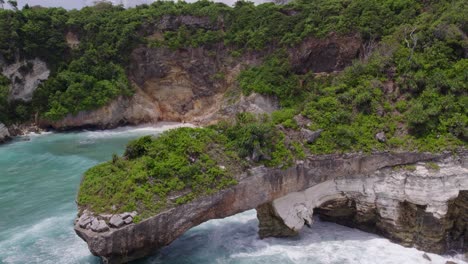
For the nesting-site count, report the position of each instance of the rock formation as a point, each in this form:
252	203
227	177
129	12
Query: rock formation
198	85
25	77
379	189
4	133
420	205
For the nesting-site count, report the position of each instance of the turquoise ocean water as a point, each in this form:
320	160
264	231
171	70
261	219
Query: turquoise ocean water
39	177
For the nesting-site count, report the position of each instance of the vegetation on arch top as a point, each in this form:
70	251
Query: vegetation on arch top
93	74
183	164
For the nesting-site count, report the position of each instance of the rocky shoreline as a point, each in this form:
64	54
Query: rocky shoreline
260	186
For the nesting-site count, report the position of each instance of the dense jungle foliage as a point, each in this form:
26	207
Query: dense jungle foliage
410	83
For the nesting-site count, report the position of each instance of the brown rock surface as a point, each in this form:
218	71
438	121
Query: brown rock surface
256	187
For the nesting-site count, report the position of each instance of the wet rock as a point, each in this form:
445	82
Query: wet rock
116	221
427	257
450	262
99	226
310	136
381	137
271	225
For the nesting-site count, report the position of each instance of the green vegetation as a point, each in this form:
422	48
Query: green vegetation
410	83
405	167
432	166
156	173
93	73
183	164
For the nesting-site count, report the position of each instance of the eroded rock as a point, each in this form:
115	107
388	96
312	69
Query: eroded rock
310	136
85	220
99	226
25	77
262	185
116	221
381	137
422	208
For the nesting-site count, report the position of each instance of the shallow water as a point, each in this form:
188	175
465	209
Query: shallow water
38	184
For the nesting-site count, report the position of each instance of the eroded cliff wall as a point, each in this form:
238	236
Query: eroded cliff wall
263	185
422	205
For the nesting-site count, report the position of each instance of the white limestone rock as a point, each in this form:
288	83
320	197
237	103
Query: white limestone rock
384	190
25	77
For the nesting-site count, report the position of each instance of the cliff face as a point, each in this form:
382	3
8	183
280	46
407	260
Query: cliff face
423	205
198	85
25	77
312	183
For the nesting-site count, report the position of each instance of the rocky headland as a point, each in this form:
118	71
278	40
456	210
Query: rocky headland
415	199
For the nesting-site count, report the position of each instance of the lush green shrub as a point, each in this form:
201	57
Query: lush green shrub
184	163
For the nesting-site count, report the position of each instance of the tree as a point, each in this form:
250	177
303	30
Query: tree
13	3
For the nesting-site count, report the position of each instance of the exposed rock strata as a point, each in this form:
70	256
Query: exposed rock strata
198	85
417	206
256	187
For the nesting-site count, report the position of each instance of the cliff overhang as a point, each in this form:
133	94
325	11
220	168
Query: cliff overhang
264	188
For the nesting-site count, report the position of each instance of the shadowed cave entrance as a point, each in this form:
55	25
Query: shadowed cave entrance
413	227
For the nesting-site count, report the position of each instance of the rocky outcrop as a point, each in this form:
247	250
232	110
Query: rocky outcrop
4	133
262	185
135	110
329	54
414	205
25	77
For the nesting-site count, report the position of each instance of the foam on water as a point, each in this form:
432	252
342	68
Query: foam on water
38	184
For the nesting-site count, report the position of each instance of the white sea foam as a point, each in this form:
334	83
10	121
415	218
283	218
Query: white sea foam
144	129
235	240
51	240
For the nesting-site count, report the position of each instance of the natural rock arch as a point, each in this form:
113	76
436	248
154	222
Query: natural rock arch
261	185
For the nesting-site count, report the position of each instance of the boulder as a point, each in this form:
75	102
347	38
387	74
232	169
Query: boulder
85	220
99	226
302	121
125	215
310	136
116	221
381	137
427	257
128	220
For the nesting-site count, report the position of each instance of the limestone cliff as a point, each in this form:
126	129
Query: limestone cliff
198	85
422	205
323	179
